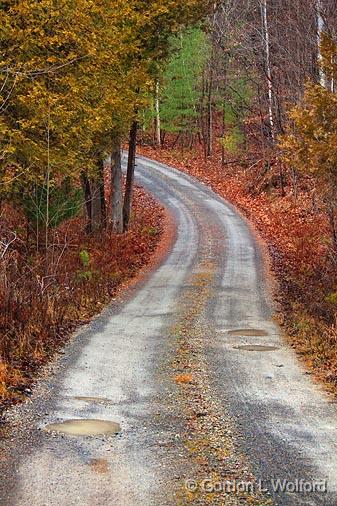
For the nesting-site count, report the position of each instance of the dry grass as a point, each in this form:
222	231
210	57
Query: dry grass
42	300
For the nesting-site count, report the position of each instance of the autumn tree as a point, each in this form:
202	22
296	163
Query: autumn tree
152	28
72	83
58	94
310	145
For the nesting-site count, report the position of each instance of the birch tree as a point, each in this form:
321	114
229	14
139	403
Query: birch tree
157	114
320	29
266	40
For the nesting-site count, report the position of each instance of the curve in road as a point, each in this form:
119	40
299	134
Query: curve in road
196	374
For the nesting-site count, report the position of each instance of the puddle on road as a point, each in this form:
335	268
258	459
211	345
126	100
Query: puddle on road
248	332
256	347
100	466
88	427
96	400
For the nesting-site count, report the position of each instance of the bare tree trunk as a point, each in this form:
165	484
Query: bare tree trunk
223	121
294	180
157	123
87	200
116	190
320	29
96	206
265	32
210	114
211	66
94	200
47	217
204	131
102	194
130	175
223	132
332	84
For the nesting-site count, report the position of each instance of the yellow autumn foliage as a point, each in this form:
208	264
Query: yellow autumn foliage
72	75
311	140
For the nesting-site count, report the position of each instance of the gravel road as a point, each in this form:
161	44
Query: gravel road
209	403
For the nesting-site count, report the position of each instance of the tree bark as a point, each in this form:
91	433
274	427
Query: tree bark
204	131
116	190
265	31
130	176
96	205
102	195
94	200
157	109
320	29
210	114
87	200
332	219
223	122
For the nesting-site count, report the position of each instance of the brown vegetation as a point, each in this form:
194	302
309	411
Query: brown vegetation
298	235
40	308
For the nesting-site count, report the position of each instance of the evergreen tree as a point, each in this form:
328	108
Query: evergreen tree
182	81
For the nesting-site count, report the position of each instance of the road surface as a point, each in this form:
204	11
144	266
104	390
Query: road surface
209	404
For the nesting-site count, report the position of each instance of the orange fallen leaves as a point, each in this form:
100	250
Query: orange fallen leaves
33	330
298	235
183	379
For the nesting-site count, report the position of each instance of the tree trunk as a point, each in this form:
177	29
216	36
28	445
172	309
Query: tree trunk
223	121
130	175
331	213
116	190
265	31
87	200
320	29
210	115
102	195
96	205
204	131
223	133
157	124
94	200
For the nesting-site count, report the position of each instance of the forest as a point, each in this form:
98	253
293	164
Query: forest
75	77
238	93
247	104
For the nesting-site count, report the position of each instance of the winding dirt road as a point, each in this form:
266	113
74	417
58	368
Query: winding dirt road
212	405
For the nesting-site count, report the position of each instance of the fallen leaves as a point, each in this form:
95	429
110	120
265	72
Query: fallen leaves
298	236
183	378
33	325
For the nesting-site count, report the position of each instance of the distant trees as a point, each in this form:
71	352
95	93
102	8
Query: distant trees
310	144
182	84
76	82
272	46
234	79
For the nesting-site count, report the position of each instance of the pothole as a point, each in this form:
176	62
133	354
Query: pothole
256	347
248	332
96	400
90	427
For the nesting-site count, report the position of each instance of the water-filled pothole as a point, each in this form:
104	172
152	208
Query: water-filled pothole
256	347
96	400
89	427
248	332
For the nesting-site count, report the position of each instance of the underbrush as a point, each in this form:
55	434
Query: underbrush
43	297
297	232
